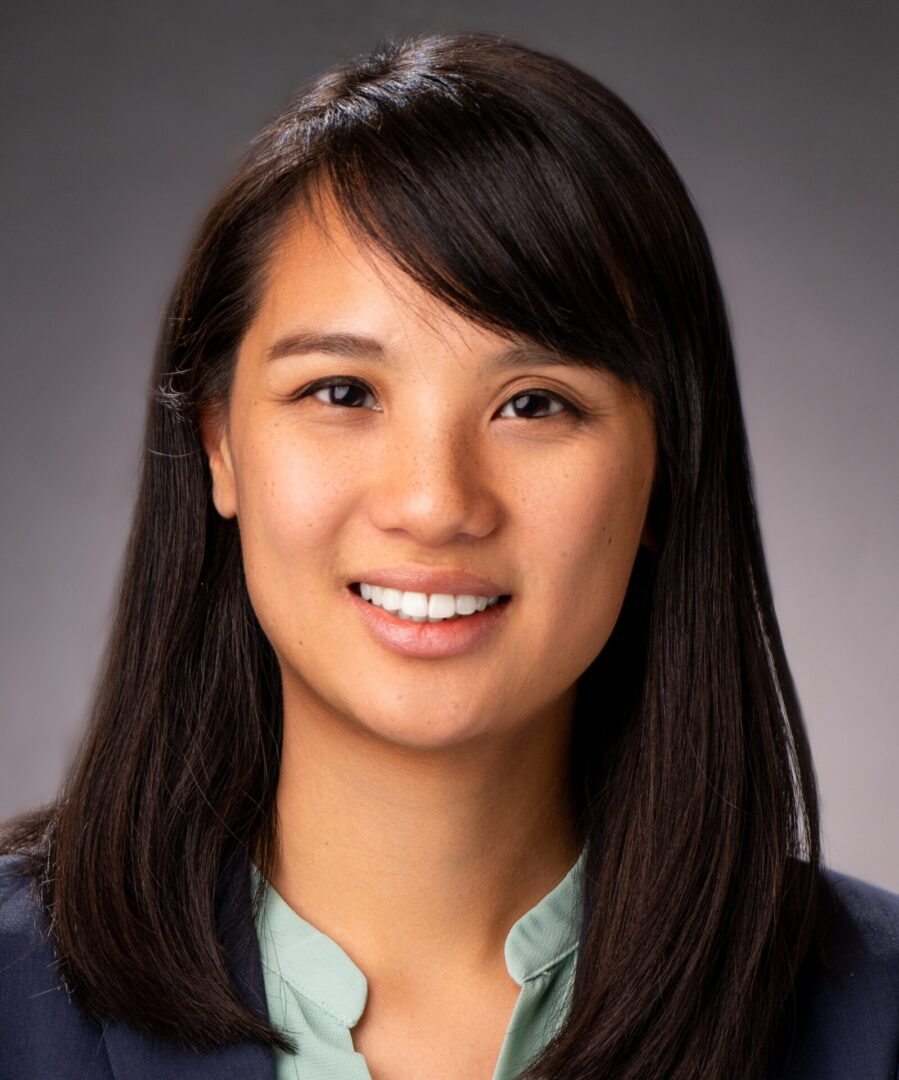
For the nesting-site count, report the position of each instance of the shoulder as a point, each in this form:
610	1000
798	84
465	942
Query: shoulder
846	1012
861	945
44	1032
24	935
867	914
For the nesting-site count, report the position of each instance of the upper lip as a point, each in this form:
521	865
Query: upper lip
420	579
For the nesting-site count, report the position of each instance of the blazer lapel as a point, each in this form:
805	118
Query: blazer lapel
137	1055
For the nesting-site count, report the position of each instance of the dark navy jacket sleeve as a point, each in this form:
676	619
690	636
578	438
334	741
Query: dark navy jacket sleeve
845	1026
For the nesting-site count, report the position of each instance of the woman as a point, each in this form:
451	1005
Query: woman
445	728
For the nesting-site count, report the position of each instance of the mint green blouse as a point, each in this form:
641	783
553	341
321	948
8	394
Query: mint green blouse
316	993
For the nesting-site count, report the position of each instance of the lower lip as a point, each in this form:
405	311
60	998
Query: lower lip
422	639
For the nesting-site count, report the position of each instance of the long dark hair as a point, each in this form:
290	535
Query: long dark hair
530	198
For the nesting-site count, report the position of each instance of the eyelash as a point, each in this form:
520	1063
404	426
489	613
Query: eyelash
322	384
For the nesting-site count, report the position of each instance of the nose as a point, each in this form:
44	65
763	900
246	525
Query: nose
433	484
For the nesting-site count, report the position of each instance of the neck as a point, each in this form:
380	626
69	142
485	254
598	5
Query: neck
418	861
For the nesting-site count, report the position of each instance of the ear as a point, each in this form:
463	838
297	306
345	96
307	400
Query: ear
216	443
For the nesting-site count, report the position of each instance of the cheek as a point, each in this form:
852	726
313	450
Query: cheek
290	500
590	525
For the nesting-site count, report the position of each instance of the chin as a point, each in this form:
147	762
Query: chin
423	730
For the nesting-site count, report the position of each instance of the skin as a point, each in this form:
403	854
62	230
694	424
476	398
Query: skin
423	803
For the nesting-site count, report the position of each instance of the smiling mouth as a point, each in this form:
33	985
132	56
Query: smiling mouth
407	606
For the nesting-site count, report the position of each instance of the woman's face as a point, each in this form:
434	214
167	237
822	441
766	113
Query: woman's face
456	451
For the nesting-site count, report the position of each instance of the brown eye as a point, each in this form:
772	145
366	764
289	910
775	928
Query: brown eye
348	393
526	403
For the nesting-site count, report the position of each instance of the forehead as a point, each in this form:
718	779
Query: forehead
322	274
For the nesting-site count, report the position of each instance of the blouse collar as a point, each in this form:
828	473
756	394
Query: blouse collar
316	967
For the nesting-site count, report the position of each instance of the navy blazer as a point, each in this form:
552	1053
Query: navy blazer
847	1023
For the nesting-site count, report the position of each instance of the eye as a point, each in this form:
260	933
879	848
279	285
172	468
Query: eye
526	399
346	392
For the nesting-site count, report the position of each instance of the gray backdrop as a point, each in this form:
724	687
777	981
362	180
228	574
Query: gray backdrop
120	121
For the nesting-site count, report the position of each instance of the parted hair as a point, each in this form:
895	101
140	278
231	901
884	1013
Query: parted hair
527	196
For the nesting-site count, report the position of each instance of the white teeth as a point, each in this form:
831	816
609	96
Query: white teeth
391	599
442	606
424	607
468	605
414	604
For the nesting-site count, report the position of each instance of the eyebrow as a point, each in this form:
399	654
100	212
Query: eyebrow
363	347
300	342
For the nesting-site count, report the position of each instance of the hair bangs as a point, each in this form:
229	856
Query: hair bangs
483	204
